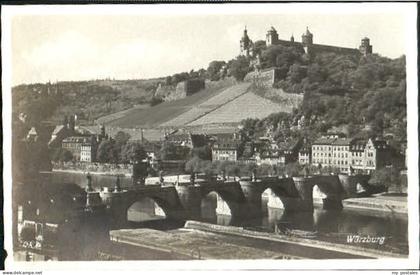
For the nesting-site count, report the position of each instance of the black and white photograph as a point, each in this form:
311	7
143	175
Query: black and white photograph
258	136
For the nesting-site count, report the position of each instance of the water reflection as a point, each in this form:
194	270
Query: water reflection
335	225
329	223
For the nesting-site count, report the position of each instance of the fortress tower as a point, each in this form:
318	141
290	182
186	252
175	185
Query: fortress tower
365	48
272	38
307	38
246	44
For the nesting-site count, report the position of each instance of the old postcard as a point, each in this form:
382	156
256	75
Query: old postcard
210	136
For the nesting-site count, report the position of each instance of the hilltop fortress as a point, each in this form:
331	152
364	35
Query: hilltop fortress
268	76
272	38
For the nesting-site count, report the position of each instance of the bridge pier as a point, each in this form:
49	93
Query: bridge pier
116	207
252	206
305	201
190	198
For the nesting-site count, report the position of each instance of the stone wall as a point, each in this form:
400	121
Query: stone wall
189	87
182	89
264	78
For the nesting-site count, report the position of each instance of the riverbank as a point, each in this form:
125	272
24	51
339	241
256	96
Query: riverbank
198	240
304	243
384	202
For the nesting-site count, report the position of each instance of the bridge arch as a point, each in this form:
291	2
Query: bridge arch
228	202
318	195
145	209
328	192
270	198
214	208
161	206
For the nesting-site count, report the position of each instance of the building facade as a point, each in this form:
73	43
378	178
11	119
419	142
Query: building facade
341	155
322	151
351	155
305	155
225	152
83	148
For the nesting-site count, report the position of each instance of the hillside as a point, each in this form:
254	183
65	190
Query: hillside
247	105
87	99
161	113
225	103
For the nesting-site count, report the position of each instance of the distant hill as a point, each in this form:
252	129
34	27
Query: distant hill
88	99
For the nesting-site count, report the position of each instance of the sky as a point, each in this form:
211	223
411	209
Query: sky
62	47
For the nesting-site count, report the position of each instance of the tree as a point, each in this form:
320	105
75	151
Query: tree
203	152
170	151
106	152
259	46
193	165
293	169
155	100
214	69
121	138
133	152
234	169
65	155
296	73
387	176
239	67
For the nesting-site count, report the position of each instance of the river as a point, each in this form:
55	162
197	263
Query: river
333	226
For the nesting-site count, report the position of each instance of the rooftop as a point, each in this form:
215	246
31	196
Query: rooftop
342	142
324	141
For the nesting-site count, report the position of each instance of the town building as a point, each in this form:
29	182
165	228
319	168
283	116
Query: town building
187	139
322	151
352	155
63	131
357	152
377	154
289	149
83	148
341	155
225	151
305	154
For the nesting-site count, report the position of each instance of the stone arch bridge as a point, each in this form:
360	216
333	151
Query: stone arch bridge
244	197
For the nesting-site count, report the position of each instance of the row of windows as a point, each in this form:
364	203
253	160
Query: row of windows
225	152
370	163
342	155
225	158
329	148
321	148
341	148
322	154
340	162
322	161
